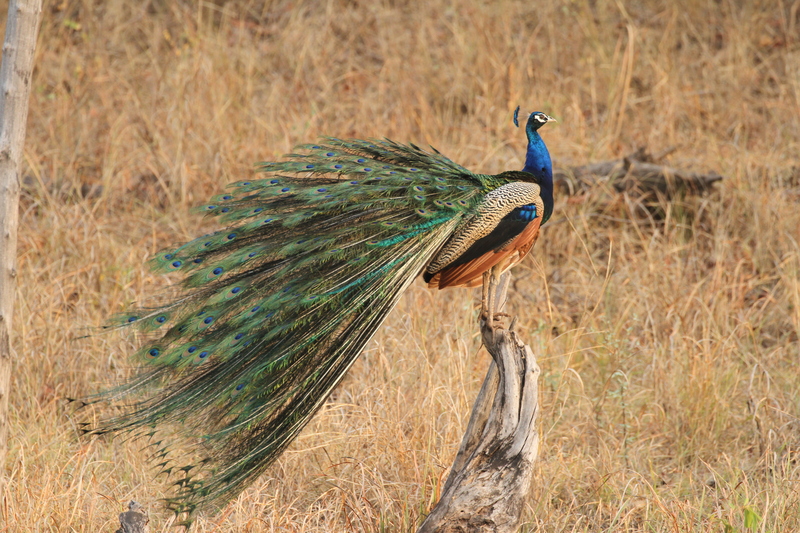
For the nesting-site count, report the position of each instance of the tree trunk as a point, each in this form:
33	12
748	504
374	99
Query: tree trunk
491	475
15	80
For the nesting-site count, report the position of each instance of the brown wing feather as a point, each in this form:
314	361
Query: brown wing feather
470	274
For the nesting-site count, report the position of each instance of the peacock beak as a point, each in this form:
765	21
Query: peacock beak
550	119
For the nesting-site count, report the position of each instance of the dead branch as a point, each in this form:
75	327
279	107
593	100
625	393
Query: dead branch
638	172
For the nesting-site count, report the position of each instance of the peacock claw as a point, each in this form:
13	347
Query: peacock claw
496	319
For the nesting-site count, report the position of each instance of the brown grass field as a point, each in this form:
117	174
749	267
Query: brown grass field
668	343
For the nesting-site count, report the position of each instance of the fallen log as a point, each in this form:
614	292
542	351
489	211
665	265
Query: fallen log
638	173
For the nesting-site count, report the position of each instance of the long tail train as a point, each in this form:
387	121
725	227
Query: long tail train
276	308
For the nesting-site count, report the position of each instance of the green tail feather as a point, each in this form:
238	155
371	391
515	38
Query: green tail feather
277	307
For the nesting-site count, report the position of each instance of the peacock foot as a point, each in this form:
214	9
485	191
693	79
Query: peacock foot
496	319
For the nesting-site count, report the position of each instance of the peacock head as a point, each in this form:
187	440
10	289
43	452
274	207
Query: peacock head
536	120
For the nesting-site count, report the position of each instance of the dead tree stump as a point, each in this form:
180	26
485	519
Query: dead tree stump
133	520
491	475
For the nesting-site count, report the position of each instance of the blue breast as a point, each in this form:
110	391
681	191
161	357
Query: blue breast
526	213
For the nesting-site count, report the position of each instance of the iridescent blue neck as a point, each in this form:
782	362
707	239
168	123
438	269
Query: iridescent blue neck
538	163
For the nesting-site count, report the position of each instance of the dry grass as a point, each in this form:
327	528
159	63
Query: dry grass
669	345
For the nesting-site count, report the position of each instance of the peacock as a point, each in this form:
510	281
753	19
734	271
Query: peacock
273	310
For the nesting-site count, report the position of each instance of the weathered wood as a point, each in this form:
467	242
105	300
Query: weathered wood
492	472
134	520
15	81
637	172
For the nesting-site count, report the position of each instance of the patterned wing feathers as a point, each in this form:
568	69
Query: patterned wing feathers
470	274
488	235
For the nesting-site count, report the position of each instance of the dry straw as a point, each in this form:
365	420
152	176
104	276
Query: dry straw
668	342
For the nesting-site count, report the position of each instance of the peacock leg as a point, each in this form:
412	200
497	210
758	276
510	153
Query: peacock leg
491	285
495	287
485	313
501	291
